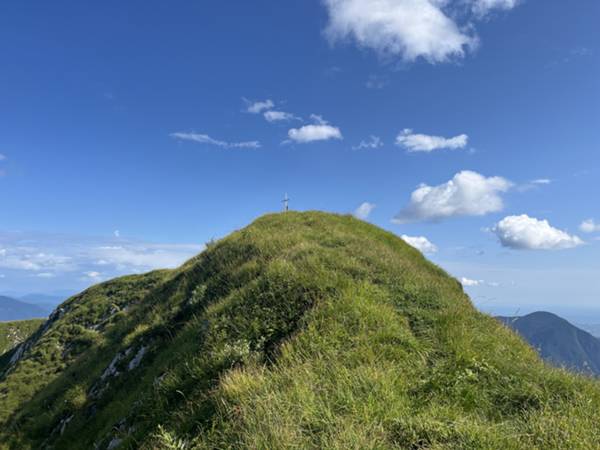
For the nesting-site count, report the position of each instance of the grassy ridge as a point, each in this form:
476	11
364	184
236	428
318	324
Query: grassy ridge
303	330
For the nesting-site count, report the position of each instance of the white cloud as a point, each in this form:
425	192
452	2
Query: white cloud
470	283
28	258
258	107
46	255
421	243
206	139
117	233
142	256
415	142
364	210
373	142
318	119
589	226
321	131
310	133
466	194
527	233
376	82
484	7
2	157
541	181
45	275
534	184
278	116
93	275
408	29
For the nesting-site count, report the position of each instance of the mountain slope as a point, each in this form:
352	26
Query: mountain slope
558	342
303	330
13	309
13	333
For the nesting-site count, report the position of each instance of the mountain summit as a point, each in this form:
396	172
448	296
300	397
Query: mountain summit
303	330
558	342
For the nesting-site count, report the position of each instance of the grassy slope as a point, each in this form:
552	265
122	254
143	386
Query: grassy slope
13	333
301	331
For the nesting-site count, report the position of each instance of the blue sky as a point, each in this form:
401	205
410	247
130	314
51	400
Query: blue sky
134	132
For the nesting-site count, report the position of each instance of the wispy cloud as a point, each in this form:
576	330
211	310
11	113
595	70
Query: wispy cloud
377	82
416	142
364	210
534	184
93	275
541	181
256	107
279	116
53	255
372	143
466	194
206	139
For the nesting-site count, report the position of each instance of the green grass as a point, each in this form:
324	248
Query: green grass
13	333
303	330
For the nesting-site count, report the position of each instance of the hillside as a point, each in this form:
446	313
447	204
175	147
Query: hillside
13	333
558	342
13	309
303	330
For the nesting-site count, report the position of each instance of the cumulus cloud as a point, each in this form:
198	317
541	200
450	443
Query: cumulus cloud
421	243
408	29
466	194
364	210
589	226
310	133
279	116
415	142
372	142
206	139
320	131
435	30
528	233
258	107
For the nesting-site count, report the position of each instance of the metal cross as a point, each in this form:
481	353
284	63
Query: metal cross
285	201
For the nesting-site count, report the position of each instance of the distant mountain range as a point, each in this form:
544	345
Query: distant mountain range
13	309
45	301
558	341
